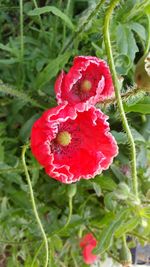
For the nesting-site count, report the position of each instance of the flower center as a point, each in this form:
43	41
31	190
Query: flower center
86	86
63	138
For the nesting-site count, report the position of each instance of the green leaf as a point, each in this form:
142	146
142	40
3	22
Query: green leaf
137	136
122	63
122	192
142	106
145	212
97	189
1	150
117	172
57	242
55	11
5	48
126	41
105	220
105	182
109	202
127	226
139	29
120	137
147	9
51	69
26	128
109	231
9	61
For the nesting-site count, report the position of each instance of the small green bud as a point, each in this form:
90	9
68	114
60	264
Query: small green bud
72	189
125	256
142	73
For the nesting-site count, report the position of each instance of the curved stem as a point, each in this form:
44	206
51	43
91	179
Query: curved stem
68	219
118	96
34	206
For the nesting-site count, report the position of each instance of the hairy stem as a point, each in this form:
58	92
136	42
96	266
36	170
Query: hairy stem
118	96
34	206
125	96
4	88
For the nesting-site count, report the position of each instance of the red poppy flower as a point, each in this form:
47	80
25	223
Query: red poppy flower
88	243
73	142
88	80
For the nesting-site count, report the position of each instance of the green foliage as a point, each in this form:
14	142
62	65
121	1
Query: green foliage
53	33
55	11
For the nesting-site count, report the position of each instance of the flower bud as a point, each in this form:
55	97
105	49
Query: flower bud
72	189
142	73
125	256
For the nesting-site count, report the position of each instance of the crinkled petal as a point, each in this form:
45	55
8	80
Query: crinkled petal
91	142
96	71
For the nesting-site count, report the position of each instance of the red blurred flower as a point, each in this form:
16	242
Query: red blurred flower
88	80
88	243
73	142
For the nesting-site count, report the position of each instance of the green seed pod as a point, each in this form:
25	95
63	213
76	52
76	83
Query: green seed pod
72	189
142	73
125	256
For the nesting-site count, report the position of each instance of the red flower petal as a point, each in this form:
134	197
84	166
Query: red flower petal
88	243
88	257
91	71
88	239
90	142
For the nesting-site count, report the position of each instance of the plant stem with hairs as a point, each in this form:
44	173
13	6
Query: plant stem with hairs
118	96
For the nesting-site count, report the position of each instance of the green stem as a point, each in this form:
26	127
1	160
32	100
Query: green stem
21	67
148	36
124	240
125	96
139	236
64	27
36	254
40	22
68	219
74	258
82	27
4	88
21	31
70	213
34	206
118	96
